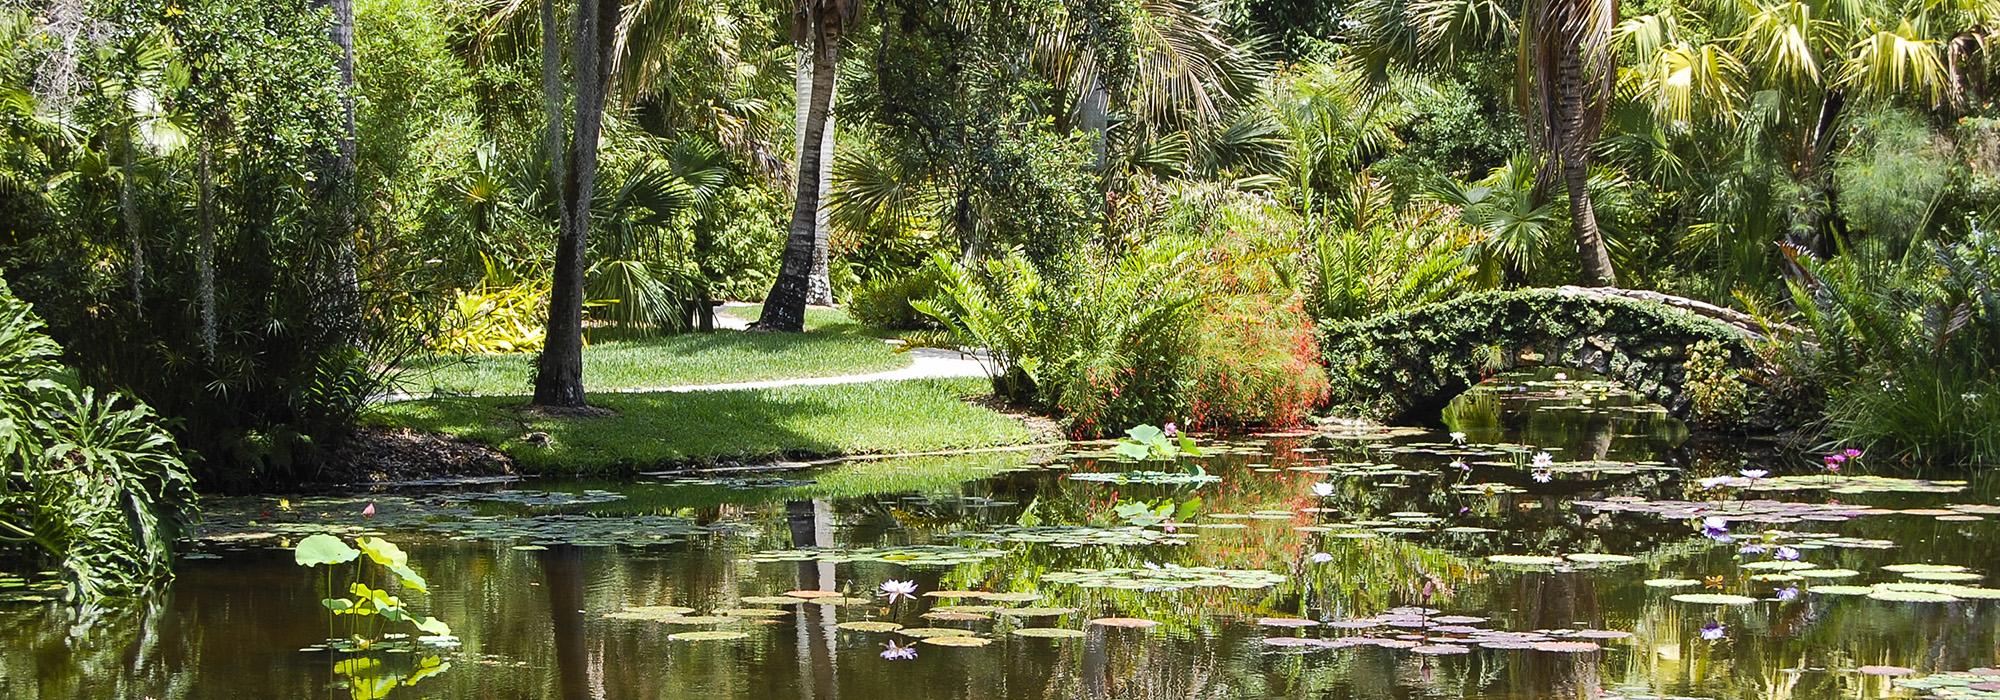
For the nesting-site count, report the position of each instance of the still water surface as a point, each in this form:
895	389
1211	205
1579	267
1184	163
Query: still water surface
1397	555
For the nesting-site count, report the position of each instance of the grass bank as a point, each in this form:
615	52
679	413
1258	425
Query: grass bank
832	345
663	429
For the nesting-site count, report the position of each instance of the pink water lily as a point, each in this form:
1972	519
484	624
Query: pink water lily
368	512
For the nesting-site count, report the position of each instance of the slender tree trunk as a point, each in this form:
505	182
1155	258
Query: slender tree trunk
820	286
785	306
344	314
559	372
1572	147
128	209
205	247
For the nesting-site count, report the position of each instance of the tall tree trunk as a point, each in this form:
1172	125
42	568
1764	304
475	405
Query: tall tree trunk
128	209
785	306
205	247
344	314
1572	135
559	372
819	289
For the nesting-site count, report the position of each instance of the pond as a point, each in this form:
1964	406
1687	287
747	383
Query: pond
1365	563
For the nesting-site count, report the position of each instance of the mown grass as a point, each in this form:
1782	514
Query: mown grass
832	345
673	429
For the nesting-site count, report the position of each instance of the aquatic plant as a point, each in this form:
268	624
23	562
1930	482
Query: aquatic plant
1146	443
369	602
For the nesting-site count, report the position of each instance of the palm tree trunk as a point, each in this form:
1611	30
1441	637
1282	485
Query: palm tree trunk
819	289
1572	147
785	306
559	371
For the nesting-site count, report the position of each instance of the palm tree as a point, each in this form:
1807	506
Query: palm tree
819	24
338	184
1791	68
1564	66
1567	73
559	370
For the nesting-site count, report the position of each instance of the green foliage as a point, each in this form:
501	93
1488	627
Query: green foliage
1368	258
87	481
499	316
1906	349
1146	442
1407	364
1892	175
885	302
1717	393
1104	357
368	602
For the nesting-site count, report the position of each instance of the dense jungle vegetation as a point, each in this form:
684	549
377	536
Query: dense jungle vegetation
250	221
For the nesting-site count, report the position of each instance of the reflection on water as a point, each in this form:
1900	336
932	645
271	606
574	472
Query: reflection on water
527	576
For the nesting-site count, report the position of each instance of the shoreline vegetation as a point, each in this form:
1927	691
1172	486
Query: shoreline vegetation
650	431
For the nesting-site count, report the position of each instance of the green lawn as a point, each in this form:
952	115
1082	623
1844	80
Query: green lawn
667	429
832	345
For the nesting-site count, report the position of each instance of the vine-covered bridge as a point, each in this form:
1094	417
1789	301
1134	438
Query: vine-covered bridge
1405	366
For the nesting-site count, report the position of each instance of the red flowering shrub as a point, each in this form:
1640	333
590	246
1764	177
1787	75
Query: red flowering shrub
1255	361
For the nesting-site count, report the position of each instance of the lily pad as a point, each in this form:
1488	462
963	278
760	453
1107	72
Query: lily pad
869	626
957	641
1714	599
1048	632
708	636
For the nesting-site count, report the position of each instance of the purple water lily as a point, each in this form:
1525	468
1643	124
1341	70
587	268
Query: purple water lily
1751	549
1788	593
896	652
1321	557
1713	631
1716	529
1786	554
1170	429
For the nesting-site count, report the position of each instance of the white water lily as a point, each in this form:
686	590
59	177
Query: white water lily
1322	489
1458	437
1544	461
899	589
1321	557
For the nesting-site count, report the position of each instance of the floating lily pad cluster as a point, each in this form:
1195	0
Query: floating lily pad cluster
578	530
1071	536
1424	631
538	499
1169	577
1757	511
1147	477
1564	562
1845	485
1975	684
908	555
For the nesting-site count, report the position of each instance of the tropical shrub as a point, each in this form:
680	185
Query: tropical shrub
1111	355
1908	349
885	302
501	315
87	481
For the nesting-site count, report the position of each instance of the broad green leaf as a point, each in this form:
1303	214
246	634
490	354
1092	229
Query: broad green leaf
434	627
383	551
323	549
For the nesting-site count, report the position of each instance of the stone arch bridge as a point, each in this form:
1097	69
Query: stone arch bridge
1405	366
